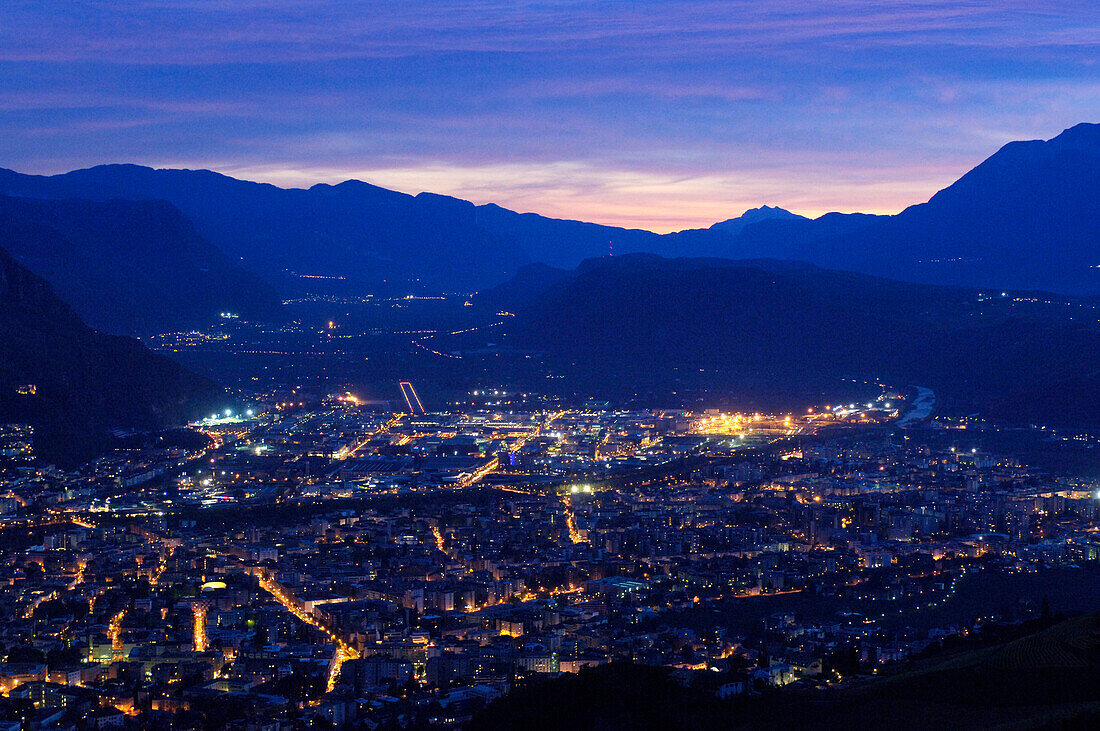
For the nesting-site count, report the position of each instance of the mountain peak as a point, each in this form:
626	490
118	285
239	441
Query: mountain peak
762	213
1083	137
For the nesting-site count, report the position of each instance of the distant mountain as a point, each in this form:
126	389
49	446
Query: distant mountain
1025	218
130	266
352	233
796	239
523	289
755	215
563	243
768	332
84	383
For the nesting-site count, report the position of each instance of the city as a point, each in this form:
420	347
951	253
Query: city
479	365
361	567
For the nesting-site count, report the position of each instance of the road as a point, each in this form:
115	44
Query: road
344	651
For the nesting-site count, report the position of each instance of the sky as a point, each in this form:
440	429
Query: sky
657	114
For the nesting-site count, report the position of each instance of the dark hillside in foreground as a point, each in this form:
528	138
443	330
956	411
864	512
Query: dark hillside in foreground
85	383
1043	680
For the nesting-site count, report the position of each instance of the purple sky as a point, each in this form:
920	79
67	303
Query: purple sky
657	114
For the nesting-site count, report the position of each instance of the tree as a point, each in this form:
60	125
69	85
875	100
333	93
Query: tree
259	638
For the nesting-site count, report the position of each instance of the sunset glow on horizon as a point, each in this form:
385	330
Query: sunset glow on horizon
656	115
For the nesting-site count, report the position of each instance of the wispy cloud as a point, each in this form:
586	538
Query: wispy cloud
664	113
199	31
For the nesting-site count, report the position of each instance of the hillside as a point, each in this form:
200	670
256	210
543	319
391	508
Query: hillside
130	266
772	333
85	383
1043	680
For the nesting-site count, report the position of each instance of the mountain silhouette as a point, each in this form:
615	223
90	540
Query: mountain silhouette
776	333
84	383
130	267
1025	218
755	215
354	232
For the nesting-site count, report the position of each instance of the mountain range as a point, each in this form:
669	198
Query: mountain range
352	233
768	305
1025	218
